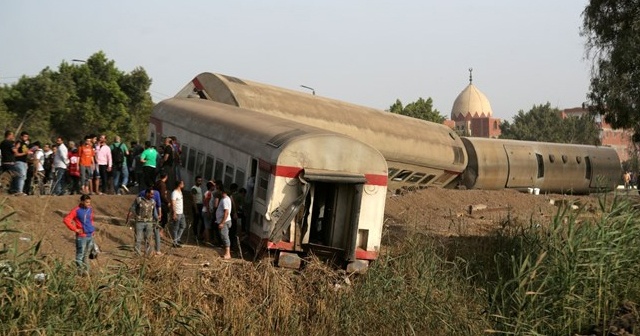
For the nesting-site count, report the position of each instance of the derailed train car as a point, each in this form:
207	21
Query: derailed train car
421	153
418	152
313	189
551	167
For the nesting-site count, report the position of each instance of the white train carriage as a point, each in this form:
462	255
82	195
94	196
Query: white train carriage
310	189
419	153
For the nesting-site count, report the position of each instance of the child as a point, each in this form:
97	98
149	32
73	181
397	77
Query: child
80	221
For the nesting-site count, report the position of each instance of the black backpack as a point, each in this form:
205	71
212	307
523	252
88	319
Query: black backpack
117	155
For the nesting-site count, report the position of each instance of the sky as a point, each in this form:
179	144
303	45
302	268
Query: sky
366	52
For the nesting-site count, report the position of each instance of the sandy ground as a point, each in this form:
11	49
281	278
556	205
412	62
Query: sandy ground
440	212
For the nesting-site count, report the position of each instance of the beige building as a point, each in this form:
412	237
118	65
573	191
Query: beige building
471	114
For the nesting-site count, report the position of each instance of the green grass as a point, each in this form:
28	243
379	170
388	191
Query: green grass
569	276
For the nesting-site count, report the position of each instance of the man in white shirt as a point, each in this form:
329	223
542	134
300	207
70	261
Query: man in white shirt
223	218
179	222
60	164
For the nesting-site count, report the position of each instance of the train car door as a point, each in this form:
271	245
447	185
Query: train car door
596	172
524	167
331	213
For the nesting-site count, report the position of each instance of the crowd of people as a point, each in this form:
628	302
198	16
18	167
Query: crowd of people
218	216
159	208
93	166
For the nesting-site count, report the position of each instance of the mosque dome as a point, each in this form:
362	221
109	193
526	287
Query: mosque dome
471	102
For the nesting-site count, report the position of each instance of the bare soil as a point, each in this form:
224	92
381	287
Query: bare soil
438	212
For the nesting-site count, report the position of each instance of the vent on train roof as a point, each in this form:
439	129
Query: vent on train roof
235	80
281	138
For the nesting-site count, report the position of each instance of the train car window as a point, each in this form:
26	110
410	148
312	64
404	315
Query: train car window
183	154
564	158
208	168
191	162
393	171
197	170
240	178
228	175
217	175
402	175
416	177
263	184
579	159
587	162
427	179
552	158
540	165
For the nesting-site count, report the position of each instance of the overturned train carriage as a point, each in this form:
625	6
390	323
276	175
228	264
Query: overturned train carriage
310	189
551	167
419	153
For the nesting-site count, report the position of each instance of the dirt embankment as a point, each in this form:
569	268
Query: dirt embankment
433	211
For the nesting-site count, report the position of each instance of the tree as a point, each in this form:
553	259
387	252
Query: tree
32	100
93	97
420	109
544	123
612	29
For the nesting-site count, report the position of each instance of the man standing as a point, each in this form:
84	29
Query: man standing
74	168
103	159
148	159
146	215
20	152
197	196
60	165
156	228
8	156
119	154
167	162
165	198
86	153
179	222
223	218
80	221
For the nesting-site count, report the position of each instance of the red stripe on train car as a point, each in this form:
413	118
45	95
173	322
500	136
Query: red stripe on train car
286	246
292	172
197	84
366	255
374	179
